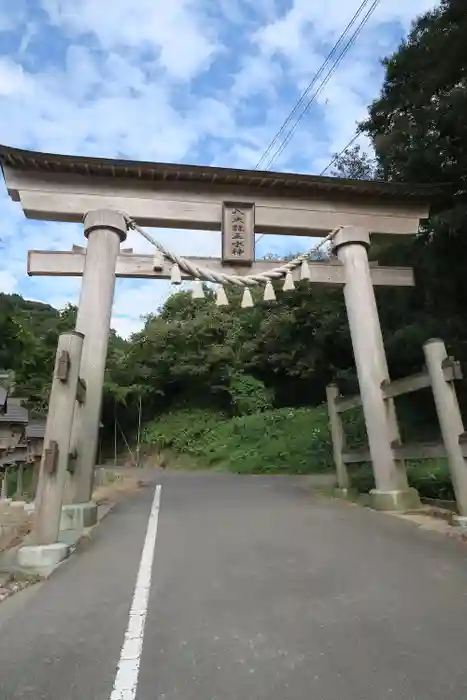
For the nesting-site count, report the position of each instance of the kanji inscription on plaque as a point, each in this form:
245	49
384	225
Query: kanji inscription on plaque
238	233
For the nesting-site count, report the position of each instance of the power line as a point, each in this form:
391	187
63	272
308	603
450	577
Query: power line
341	56
338	155
312	83
331	162
339	59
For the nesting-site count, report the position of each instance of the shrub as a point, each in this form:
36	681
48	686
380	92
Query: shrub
286	440
249	395
431	478
182	430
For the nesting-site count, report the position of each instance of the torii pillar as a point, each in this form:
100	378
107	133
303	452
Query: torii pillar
105	229
392	490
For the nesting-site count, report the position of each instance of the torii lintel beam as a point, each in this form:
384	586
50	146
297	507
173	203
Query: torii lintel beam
71	264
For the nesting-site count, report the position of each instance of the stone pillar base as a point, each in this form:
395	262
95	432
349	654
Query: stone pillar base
459	521
78	516
399	501
42	558
347	493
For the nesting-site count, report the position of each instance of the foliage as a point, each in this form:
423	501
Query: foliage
420	135
249	395
355	164
28	480
283	440
431	478
293	441
182	431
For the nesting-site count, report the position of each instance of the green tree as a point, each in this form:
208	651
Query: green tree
355	164
419	132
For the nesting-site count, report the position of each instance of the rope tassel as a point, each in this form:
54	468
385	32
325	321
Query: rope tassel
175	274
288	282
247	299
197	291
221	297
305	271
269	293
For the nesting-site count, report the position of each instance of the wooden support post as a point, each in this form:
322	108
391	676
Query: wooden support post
36	468
55	456
4	489
338	440
20	481
450	420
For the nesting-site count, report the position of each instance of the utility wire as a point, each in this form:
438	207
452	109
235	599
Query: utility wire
341	56
339	59
311	84
338	155
331	162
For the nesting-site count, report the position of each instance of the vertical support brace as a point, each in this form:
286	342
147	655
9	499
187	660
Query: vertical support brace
338	439
54	461
4	489
450	420
20	481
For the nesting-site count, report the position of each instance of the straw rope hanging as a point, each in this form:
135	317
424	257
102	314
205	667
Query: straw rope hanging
198	272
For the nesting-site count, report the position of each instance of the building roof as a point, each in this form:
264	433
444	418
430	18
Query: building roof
15	413
36	428
3	399
18	455
274	182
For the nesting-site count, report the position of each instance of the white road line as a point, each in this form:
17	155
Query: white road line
126	679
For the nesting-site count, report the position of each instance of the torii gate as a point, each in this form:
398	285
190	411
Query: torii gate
98	191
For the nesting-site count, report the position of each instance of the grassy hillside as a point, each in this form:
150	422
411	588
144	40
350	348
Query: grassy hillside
281	441
293	440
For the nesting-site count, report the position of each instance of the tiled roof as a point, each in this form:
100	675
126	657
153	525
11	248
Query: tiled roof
282	183
15	413
35	428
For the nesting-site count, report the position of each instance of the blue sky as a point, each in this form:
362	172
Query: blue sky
193	81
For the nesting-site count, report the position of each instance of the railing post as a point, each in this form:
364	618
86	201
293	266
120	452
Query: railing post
450	421
338	441
4	489
55	455
19	481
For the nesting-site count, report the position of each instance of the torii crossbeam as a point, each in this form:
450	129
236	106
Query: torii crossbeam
44	263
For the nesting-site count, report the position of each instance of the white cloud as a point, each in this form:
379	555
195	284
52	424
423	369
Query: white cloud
13	79
185	80
176	30
7	282
126	325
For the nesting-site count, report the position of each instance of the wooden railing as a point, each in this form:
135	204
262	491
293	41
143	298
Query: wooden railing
440	374
23	471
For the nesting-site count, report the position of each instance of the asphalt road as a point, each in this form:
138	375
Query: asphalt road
258	591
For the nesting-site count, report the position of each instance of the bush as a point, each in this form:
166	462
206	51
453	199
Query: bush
286	440
431	478
182	430
249	395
